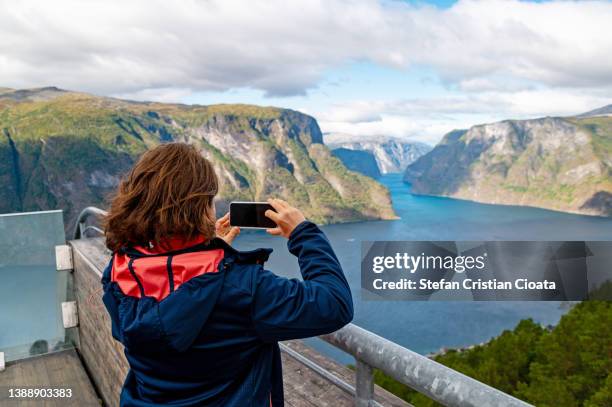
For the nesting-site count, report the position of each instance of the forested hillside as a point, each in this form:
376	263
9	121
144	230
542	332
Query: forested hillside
568	366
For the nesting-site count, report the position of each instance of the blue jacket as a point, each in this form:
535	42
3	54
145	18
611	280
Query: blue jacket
200	323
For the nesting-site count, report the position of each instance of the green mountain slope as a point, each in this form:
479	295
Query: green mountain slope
557	163
68	150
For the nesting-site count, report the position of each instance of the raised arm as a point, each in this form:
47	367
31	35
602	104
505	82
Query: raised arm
289	308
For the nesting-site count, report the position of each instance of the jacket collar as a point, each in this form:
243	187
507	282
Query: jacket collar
178	246
258	256
170	245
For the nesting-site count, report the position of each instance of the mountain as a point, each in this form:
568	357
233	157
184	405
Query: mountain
362	161
31	95
557	163
68	150
602	111
391	154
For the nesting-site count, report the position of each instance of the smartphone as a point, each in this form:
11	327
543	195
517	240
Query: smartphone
250	215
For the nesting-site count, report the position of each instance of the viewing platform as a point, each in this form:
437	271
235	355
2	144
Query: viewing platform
91	363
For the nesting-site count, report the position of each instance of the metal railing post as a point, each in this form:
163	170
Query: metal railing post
364	385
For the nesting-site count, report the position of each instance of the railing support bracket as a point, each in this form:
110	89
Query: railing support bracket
70	315
63	258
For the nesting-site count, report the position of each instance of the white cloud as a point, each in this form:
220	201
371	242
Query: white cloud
428	119
164	95
283	48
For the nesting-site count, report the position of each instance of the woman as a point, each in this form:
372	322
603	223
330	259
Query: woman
200	320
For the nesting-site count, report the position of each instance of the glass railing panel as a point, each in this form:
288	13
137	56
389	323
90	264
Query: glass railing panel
31	290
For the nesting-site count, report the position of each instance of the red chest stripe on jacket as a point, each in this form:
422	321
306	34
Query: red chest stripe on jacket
151	275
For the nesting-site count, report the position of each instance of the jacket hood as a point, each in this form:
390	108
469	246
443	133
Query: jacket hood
162	300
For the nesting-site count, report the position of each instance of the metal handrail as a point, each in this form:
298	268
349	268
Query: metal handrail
436	381
81	224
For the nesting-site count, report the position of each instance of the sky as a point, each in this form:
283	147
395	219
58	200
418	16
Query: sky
411	69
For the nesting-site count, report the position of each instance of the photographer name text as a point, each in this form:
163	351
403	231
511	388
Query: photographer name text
467	284
412	264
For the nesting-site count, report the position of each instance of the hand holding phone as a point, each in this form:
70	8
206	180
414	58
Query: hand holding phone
224	230
285	216
250	215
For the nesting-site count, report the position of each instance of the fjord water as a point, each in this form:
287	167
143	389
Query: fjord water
428	326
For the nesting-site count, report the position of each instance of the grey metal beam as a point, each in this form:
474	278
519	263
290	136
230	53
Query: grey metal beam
422	374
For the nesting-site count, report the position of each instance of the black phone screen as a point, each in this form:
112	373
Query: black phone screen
250	215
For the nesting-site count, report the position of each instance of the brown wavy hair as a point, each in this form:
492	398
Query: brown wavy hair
168	193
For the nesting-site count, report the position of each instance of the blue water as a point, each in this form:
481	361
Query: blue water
428	326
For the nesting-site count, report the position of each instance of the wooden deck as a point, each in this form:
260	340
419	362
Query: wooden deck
304	387
59	370
107	366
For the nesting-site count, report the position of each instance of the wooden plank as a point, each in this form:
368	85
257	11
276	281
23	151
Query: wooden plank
102	355
304	388
59	370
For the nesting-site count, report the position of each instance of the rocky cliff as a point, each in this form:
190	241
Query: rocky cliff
392	155
557	163
69	150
